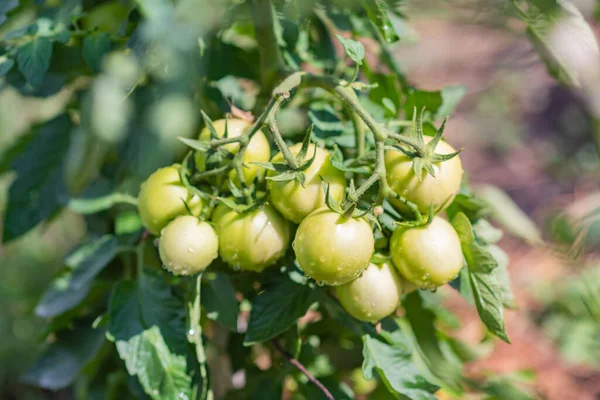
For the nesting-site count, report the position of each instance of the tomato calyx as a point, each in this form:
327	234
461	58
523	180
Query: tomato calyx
424	156
352	211
287	172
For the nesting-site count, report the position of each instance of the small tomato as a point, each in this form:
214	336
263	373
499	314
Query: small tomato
294	201
438	191
331	249
372	296
428	256
162	197
187	245
253	240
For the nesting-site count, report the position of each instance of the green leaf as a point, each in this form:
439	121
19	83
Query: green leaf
6	7
95	205
200	145
563	39
451	96
147	324
84	264
276	309
327	123
6	65
501	272
38	190
419	99
355	50
338	162
33	59
64	359
95	47
487	290
509	215
473	207
377	12
218	299
392	361
419	328
486	233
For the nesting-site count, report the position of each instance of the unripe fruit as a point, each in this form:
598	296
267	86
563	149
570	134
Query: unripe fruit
438	191
372	296
331	249
294	201
258	149
252	240
162	198
428	256
187	245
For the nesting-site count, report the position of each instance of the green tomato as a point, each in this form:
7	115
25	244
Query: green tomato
187	245
294	201
372	296
258	149
331	249
438	191
253	240
162	197
428	256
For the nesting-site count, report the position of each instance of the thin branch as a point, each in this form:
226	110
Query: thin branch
303	369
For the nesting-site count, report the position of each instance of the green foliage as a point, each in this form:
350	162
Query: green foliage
120	65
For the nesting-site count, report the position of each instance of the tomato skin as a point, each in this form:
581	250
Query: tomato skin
253	240
258	149
331	249
187	245
161	199
439	190
294	201
428	256
372	296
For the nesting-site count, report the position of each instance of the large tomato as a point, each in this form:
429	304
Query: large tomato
162	198
258	149
253	240
438	190
331	249
372	296
428	256
296	202
188	245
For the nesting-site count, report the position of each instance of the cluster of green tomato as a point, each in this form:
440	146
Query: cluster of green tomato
329	248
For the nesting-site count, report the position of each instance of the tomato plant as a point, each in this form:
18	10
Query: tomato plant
187	263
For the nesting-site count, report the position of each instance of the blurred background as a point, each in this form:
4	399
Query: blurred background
522	131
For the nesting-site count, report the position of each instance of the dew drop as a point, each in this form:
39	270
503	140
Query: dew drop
191	332
191	249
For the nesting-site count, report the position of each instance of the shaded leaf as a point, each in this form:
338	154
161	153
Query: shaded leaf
218	299
355	50
147	324
95	205
392	362
6	65
487	290
39	189
63	360
276	309
95	46
84	265
33	59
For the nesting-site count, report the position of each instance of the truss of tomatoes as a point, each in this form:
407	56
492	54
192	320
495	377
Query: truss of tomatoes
330	248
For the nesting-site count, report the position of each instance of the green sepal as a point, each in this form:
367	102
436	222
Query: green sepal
338	162
378	258
305	144
183	172
283	177
200	145
239	208
330	202
304	167
277	167
208	122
